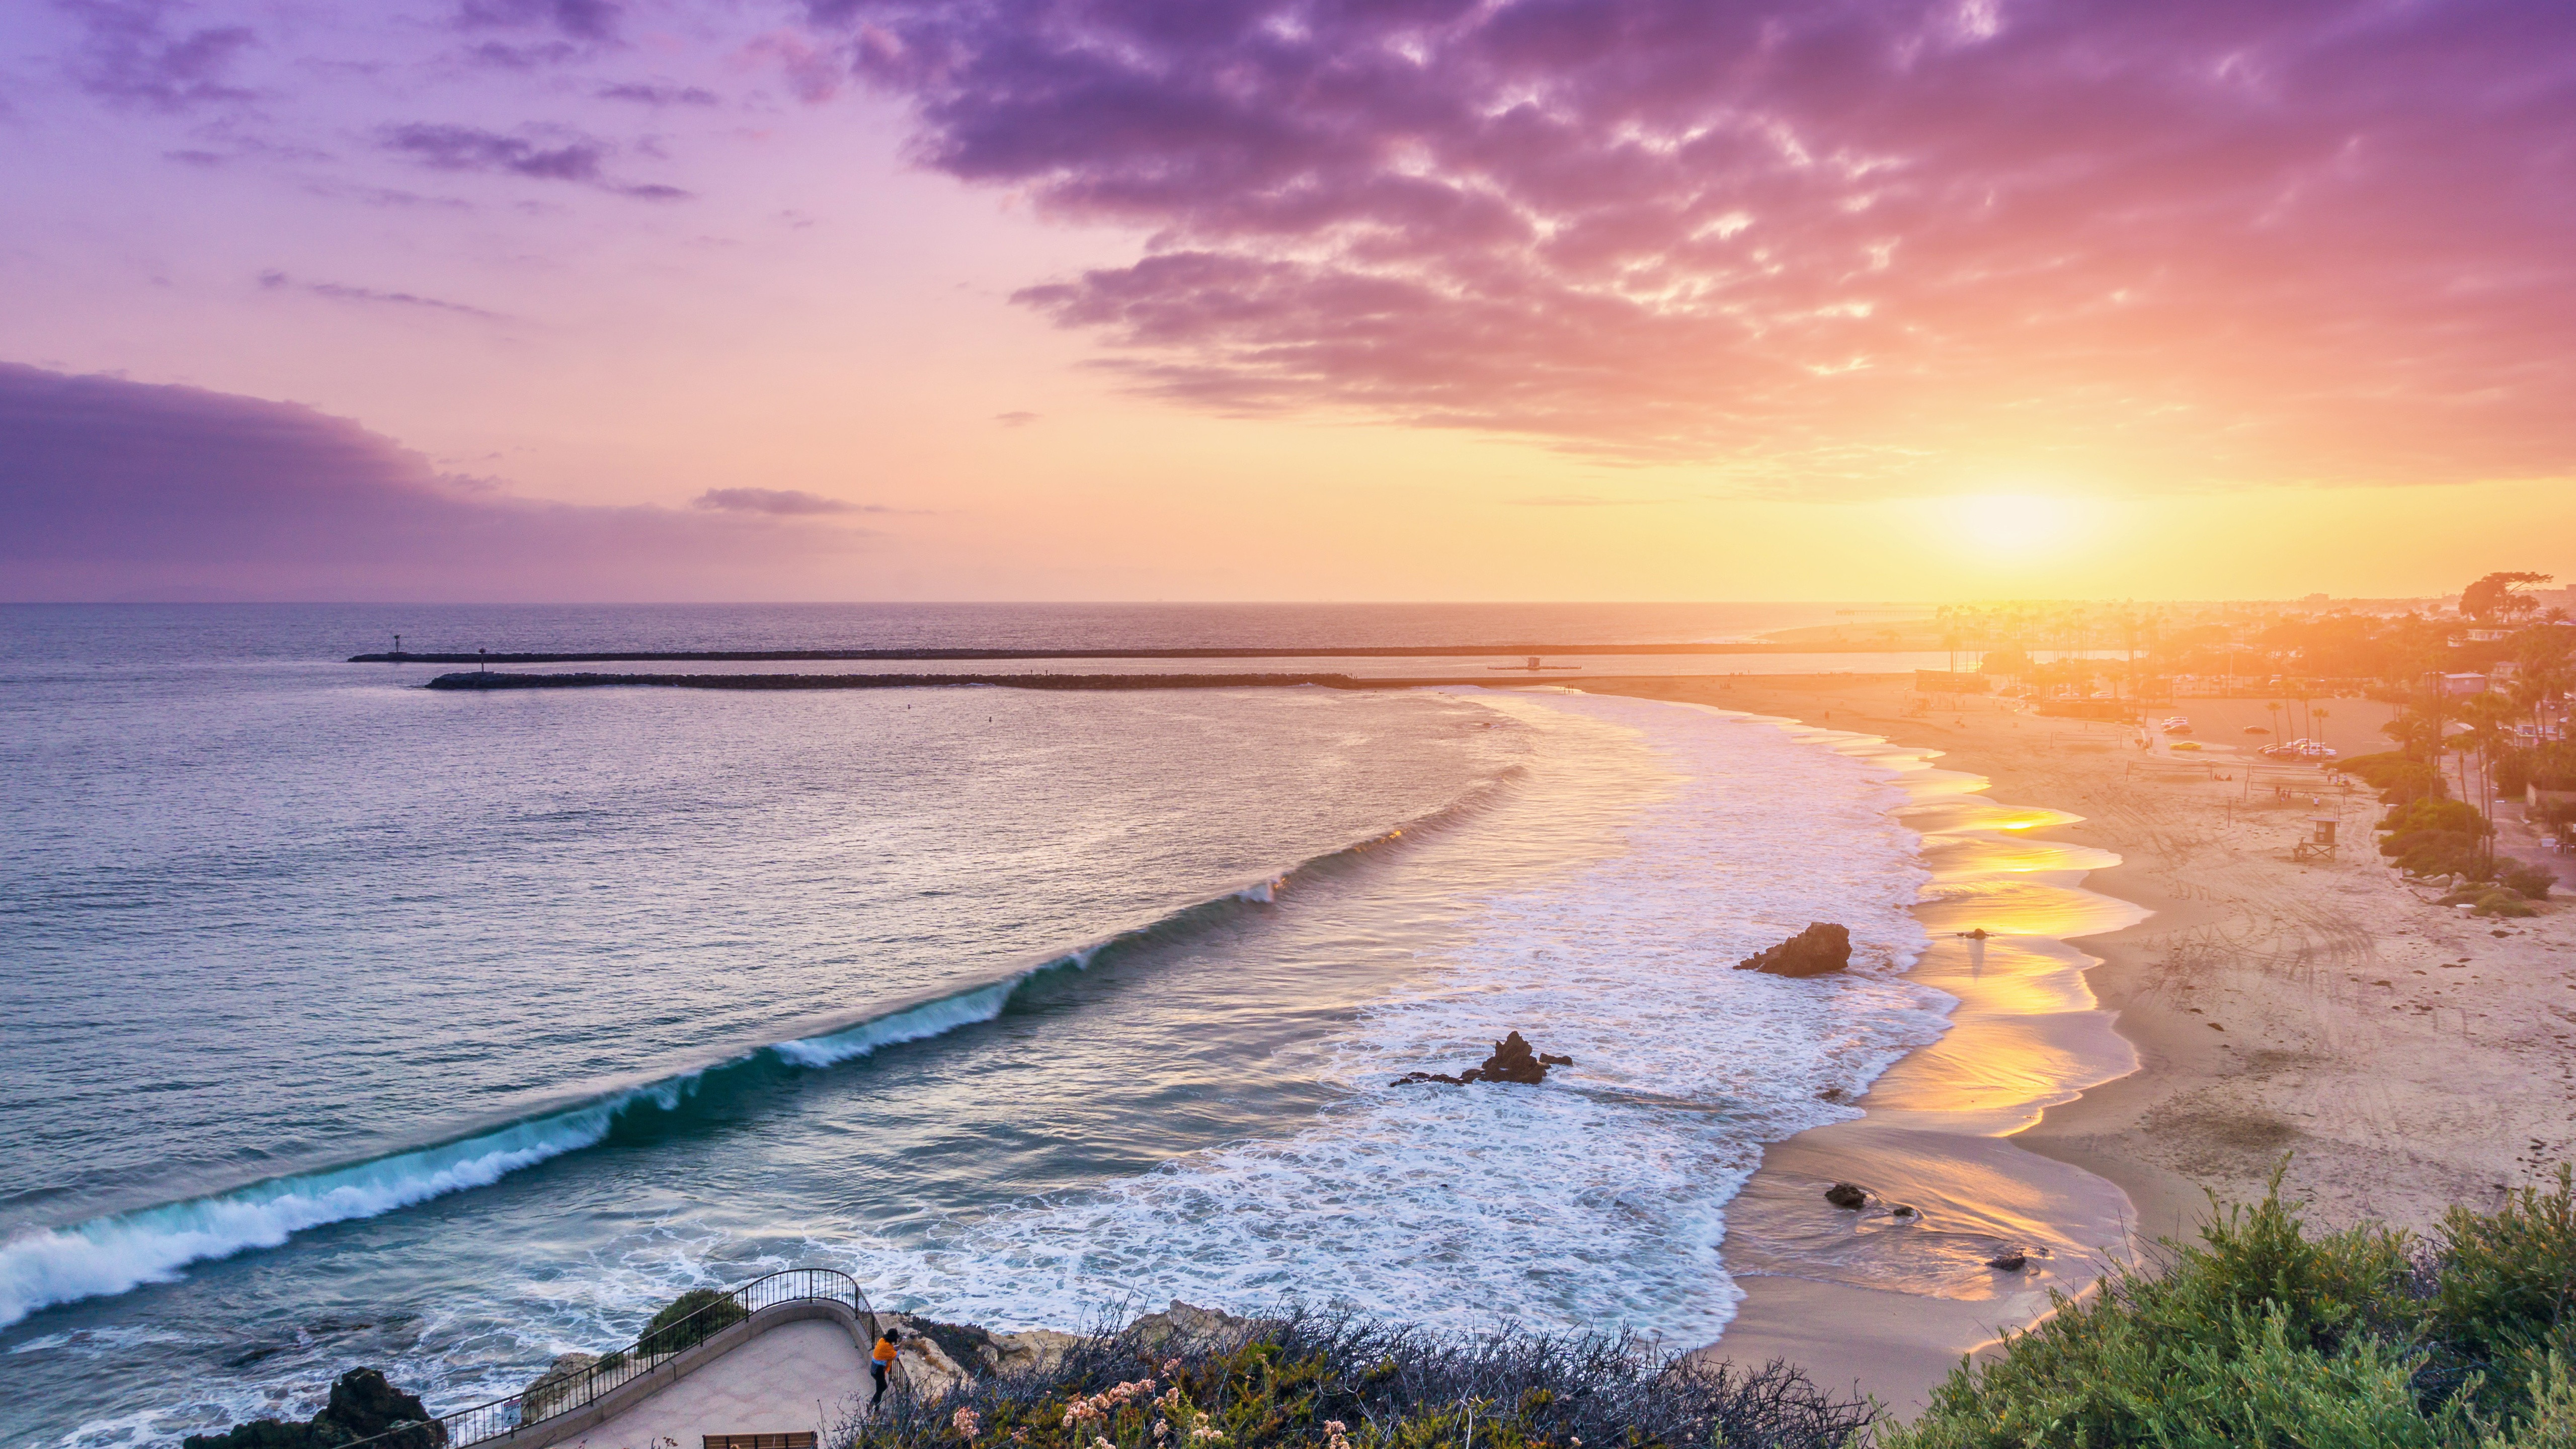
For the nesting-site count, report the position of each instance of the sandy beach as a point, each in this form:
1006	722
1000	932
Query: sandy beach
2110	1064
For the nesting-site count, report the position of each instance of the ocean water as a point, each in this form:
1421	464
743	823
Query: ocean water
342	1022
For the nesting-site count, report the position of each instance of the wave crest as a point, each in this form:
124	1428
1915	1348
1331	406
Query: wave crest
119	1252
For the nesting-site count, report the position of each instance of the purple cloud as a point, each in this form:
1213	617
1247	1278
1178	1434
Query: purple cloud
502	55
778	502
1821	240
117	489
338	292
656	93
471	148
130	55
592	20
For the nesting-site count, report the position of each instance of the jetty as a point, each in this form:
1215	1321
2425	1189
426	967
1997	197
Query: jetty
816	656
479	679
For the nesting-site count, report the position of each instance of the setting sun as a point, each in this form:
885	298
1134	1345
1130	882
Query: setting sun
2018	523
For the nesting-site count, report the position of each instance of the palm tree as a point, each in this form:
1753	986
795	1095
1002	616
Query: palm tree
2490	719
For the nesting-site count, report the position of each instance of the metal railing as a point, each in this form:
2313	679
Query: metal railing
549	1397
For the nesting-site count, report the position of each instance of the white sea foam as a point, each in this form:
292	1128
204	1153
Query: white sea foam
1597	1198
114	1254
931	1018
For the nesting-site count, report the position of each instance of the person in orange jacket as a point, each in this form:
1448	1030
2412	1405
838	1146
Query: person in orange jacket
882	1360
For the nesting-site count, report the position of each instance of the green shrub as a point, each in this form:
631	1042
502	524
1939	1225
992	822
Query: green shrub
2428	813
2440	852
2263	1336
2397	777
2550	1423
689	1320
2534	882
2505	1304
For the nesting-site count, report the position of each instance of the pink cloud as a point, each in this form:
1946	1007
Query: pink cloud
1825	244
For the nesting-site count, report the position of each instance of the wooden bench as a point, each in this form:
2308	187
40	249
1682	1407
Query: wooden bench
801	1439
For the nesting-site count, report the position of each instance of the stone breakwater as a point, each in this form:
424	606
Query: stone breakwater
1319	651
477	679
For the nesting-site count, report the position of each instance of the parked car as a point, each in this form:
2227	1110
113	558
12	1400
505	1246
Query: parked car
2299	750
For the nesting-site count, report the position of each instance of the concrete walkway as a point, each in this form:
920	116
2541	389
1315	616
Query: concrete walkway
797	1376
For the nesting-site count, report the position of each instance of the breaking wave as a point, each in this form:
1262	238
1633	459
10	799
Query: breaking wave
121	1251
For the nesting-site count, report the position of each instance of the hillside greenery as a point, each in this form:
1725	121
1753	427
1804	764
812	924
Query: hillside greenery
2265	1334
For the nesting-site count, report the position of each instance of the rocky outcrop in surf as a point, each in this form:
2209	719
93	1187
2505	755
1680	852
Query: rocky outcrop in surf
363	1405
1513	1061
1820	950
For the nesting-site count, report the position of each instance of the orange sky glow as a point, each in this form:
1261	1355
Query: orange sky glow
1517	302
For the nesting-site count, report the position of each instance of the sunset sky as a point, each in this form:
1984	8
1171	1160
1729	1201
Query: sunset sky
1273	299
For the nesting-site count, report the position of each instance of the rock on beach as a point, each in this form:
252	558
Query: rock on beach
1820	950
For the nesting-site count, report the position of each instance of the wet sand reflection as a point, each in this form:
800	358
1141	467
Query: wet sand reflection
1935	1134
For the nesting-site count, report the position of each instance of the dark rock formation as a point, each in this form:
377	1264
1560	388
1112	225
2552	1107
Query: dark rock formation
1187	1324
2008	1262
556	1389
1847	1195
1821	949
1512	1061
362	1406
1902	1211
